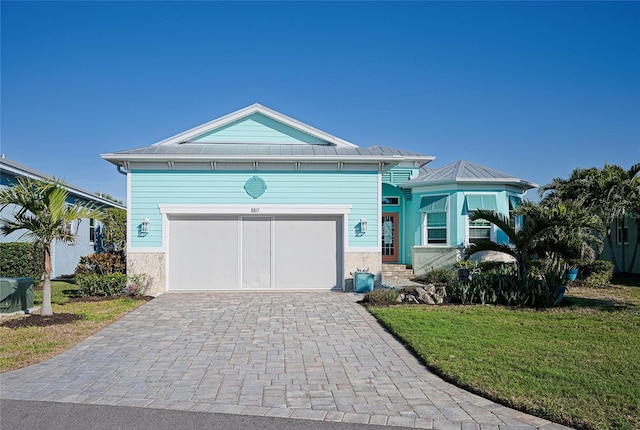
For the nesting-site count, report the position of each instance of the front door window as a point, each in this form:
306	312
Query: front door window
390	237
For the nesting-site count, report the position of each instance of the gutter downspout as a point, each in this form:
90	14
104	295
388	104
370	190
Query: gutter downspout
118	168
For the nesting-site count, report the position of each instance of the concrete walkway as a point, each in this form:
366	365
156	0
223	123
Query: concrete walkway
318	356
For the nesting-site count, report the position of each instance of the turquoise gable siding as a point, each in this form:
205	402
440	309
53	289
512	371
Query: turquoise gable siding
257	128
151	188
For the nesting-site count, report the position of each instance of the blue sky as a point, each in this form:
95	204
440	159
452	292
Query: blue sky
534	89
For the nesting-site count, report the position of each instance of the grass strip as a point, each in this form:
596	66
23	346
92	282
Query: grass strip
27	340
577	365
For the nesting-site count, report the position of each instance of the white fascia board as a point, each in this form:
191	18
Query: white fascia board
122	158
250	110
488	181
70	188
266	209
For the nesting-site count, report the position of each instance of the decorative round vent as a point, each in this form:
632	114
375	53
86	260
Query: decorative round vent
255	186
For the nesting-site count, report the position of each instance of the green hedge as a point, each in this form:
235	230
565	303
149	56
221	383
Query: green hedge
101	285
22	260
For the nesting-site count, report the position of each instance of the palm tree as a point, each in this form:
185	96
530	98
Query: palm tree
41	209
610	193
564	231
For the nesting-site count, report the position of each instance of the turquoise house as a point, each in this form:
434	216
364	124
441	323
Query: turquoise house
256	200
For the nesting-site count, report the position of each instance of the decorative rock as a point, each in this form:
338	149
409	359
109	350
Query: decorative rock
424	296
428	294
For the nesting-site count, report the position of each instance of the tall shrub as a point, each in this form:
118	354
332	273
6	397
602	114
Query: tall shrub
21	260
101	264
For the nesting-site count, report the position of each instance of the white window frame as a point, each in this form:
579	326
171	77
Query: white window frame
490	228
424	224
425	230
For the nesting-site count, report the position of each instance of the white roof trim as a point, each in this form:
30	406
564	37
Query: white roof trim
20	172
250	110
492	181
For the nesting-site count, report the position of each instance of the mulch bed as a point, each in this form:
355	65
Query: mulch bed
35	320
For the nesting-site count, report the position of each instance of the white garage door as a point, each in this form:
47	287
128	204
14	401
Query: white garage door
255	253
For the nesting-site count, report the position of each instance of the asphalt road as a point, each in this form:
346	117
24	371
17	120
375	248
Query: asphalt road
15	414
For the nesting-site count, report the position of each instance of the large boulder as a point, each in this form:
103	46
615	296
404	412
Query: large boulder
428	295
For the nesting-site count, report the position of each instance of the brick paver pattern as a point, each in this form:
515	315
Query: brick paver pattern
318	356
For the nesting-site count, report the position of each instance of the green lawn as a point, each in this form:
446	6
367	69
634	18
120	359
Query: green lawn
578	364
29	339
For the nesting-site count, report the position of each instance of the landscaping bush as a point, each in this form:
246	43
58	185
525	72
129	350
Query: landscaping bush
481	266
102	264
381	297
101	285
437	276
501	286
138	285
22	260
595	273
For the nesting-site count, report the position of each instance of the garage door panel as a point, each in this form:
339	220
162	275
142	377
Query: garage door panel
306	252
256	253
204	254
208	252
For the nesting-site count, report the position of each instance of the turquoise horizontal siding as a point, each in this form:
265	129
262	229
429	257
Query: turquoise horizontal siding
152	188
256	128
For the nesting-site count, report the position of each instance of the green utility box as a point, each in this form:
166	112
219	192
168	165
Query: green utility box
16	294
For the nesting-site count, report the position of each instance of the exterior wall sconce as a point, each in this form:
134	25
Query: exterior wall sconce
363	225
144	227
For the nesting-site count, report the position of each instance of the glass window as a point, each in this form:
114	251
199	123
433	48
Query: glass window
434	219
92	230
622	232
390	200
436	226
479	231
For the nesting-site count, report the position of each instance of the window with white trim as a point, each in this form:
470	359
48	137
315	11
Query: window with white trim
480	230
622	232
434	219
92	230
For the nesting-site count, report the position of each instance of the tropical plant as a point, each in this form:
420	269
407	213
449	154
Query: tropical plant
610	193
40	207
557	230
114	231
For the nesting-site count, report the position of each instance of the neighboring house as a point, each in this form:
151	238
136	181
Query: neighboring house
65	257
624	240
257	200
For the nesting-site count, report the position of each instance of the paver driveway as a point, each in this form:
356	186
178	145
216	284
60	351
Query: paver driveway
301	355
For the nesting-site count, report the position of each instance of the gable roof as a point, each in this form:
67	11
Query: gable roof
9	168
197	132
269	136
465	172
